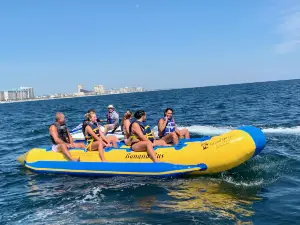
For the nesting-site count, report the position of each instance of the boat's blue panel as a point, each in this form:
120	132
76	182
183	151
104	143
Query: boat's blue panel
111	168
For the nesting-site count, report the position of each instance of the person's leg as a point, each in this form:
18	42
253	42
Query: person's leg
97	145
145	146
170	138
175	138
185	133
112	139
167	138
64	149
79	145
160	143
128	141
107	128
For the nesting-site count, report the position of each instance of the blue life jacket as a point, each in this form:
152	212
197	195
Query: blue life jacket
170	127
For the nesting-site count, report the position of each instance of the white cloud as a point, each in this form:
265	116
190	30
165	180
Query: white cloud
289	29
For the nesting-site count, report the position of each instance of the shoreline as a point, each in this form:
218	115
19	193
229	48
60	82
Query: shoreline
46	99
43	99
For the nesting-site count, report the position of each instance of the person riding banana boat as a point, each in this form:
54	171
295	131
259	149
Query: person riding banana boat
113	121
95	138
61	138
86	121
205	155
142	137
125	124
167	129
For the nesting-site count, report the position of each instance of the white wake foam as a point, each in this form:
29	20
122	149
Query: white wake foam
214	130
204	130
243	183
96	192
283	130
207	130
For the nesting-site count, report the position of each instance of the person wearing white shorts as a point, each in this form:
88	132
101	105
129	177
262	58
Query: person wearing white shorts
61	138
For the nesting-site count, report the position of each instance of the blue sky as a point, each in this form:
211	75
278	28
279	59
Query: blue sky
55	45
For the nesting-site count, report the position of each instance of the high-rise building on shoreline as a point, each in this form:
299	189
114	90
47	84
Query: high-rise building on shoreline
22	93
29	92
99	89
2	98
81	91
79	88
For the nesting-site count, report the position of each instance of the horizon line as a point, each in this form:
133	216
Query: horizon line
218	85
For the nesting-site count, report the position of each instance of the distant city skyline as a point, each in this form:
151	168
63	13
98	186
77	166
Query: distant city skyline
27	93
157	45
100	90
22	93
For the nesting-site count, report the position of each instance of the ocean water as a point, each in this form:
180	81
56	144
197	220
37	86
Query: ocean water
264	190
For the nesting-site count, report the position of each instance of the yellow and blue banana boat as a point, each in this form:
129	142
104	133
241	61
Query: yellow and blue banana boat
193	156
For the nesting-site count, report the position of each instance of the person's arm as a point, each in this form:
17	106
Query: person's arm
137	130
127	125
162	124
177	131
103	137
153	135
54	134
117	122
71	139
